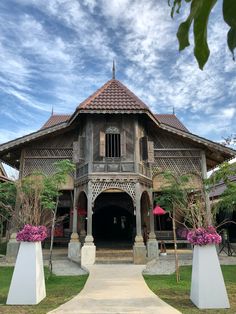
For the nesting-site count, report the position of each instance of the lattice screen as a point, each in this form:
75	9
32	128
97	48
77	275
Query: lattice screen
43	160
176	165
100	186
49	152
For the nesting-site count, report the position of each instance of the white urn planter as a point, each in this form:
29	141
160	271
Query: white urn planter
207	285
28	283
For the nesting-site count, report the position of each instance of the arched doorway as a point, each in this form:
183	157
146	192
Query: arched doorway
113	219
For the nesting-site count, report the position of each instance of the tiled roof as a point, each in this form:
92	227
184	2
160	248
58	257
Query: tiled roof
171	120
168	119
55	119
113	96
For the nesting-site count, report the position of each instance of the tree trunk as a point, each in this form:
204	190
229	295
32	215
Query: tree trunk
52	236
175	247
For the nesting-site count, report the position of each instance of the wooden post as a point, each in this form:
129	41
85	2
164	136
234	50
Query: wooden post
136	148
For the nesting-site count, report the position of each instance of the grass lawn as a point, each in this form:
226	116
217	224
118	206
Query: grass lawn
177	294
59	289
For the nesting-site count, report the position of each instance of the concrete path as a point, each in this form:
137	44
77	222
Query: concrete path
115	289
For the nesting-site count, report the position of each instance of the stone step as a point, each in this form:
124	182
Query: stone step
112	256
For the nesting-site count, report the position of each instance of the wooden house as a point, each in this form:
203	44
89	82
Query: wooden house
120	148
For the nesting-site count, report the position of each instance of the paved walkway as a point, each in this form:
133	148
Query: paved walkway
118	289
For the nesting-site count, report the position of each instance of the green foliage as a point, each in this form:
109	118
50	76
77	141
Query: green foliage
37	196
199	13
182	200
173	196
227	201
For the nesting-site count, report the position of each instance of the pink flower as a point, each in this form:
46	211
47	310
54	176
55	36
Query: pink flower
32	233
203	236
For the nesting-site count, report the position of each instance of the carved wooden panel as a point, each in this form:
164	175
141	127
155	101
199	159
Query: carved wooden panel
101	185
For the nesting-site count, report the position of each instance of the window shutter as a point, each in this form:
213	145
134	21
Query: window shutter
76	151
123	143
82	147
150	152
102	144
144	147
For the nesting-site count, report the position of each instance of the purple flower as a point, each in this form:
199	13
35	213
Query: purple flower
203	236
32	233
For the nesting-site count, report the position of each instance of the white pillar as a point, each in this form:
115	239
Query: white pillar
88	251
152	244
139	249
74	245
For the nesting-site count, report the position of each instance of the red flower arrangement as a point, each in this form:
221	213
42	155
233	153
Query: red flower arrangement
32	233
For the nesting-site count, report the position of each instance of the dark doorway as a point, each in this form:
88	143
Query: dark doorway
113	220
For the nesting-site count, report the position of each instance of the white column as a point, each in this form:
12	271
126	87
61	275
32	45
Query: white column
152	244
74	235
139	237
74	245
88	251
139	249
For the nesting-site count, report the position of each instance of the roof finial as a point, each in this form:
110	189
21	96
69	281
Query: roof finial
113	70
52	111
173	110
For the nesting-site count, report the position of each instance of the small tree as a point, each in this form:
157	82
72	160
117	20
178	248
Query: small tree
37	198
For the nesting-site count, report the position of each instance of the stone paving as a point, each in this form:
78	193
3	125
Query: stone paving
116	289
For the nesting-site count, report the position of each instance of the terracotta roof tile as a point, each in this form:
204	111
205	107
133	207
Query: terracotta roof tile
55	119
113	96
171	120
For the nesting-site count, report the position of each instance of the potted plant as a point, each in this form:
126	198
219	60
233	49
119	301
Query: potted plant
183	200
28	284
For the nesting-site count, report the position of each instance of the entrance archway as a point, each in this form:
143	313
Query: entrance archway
113	219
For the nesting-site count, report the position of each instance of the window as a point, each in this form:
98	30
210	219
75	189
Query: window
113	142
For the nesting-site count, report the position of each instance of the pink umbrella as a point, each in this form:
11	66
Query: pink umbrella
158	211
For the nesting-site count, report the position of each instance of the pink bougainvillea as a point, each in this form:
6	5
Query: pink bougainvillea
203	236
32	233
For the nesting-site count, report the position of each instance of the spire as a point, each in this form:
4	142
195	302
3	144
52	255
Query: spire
52	111
113	70
173	110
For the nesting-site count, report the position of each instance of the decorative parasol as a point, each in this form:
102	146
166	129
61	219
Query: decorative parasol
158	211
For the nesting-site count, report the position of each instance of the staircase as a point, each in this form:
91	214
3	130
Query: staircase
114	256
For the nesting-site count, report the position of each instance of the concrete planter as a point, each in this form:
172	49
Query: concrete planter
207	285
28	283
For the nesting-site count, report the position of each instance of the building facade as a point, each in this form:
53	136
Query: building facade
120	149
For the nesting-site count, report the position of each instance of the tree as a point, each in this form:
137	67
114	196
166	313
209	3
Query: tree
37	198
224	174
179	197
199	13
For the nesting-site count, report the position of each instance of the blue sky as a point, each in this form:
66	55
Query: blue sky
57	52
